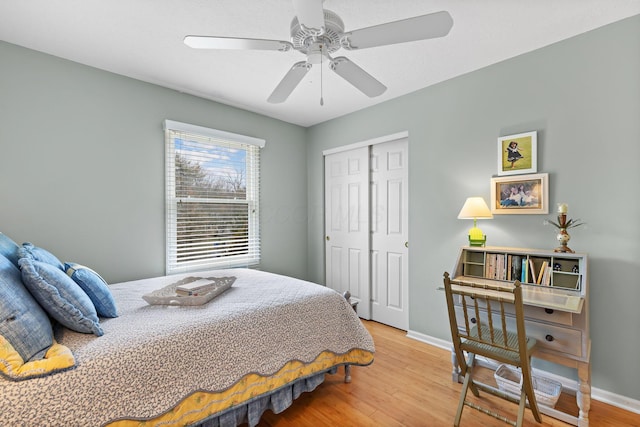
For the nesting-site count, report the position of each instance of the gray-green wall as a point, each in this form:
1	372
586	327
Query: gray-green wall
583	97
82	166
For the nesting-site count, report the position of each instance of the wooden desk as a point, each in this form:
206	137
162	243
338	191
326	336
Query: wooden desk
556	314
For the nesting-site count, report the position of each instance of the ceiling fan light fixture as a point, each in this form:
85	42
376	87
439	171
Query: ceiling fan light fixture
316	52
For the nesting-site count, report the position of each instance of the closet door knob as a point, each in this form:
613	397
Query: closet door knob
473	320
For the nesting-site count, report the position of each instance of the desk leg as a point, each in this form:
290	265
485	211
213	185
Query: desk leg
455	372
583	395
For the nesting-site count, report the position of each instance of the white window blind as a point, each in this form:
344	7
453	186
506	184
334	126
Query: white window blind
212	195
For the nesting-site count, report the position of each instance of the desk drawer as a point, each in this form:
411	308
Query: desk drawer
550	337
555	338
536	313
548	315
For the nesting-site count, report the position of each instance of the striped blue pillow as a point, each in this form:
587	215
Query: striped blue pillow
95	287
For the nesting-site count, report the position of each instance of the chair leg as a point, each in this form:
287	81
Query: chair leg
470	364
463	396
521	407
527	388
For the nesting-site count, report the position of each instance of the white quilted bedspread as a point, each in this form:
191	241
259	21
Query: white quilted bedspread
152	356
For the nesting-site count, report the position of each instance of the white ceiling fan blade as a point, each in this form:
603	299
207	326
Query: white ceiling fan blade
309	13
406	30
289	82
206	42
358	77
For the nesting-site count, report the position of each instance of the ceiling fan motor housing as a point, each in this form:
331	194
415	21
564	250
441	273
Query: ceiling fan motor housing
306	40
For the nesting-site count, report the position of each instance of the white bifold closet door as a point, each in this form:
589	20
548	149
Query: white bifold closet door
366	226
389	233
347	225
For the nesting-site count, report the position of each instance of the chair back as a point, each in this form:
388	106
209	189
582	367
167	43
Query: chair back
484	323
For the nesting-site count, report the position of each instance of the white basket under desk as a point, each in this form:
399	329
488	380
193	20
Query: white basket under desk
547	391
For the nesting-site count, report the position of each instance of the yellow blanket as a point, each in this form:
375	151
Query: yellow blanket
201	405
58	358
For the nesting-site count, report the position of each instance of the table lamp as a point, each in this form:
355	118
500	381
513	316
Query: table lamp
474	208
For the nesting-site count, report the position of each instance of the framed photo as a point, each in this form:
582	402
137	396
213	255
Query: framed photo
518	154
522	194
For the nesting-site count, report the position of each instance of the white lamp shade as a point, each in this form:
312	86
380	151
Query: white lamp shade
475	208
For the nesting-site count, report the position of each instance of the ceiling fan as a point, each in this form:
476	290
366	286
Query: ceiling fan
318	33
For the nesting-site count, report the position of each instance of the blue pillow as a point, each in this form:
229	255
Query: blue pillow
23	323
9	249
28	250
60	296
94	286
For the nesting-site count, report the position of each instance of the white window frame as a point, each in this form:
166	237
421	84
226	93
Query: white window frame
175	129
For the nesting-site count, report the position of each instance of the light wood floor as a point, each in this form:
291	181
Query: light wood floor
409	384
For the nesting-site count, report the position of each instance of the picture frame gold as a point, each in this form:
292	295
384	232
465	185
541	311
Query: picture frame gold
518	154
521	194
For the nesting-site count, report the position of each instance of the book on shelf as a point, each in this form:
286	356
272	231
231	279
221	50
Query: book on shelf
543	276
546	278
532	272
490	273
497	267
541	273
487	266
517	268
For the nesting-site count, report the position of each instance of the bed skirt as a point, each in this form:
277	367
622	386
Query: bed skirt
246	401
278	401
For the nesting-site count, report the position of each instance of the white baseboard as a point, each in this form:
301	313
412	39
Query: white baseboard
598	394
437	342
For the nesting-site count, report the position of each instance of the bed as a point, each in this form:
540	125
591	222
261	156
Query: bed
257	346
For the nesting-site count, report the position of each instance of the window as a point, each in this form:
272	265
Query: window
212	186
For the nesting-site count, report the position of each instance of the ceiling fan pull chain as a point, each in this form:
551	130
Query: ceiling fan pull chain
321	99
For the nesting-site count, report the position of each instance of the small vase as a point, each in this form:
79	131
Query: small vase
563	238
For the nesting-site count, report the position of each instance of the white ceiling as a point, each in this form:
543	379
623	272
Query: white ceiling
143	39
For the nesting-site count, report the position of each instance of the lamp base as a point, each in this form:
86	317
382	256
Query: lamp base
476	236
477	242
565	249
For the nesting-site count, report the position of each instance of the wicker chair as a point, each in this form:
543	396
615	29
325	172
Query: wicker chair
476	333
